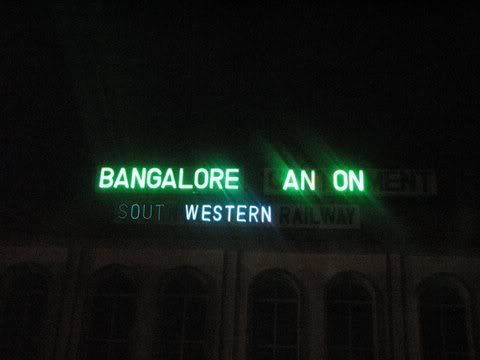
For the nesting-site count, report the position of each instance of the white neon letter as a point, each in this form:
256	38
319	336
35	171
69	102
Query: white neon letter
229	213
217	215
241	213
206	212
191	212
267	213
252	213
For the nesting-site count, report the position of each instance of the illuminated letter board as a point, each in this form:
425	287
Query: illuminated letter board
291	197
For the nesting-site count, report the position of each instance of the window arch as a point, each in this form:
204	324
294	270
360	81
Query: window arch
23	312
182	326
112	315
275	317
443	312
350	318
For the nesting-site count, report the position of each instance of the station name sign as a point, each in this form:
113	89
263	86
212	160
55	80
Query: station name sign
226	192
165	179
384	182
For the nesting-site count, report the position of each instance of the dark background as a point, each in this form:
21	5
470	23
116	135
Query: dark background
381	86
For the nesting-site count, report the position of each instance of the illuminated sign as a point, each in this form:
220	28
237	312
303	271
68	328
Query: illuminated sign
219	195
326	216
229	213
305	180
160	179
382	182
276	182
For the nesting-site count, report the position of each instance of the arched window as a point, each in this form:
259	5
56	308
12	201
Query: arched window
112	316
443	321
274	318
350	320
182	330
23	315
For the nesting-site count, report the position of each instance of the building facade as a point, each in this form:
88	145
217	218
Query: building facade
403	284
141	301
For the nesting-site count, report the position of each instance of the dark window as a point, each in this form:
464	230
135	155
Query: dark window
182	322
443	323
23	315
274	320
349	321
112	318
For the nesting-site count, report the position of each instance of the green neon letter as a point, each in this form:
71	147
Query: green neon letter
154	178
106	178
181	185
309	180
169	179
122	179
241	213
344	175
216	175
266	213
352	178
138	178
199	185
231	181
290	181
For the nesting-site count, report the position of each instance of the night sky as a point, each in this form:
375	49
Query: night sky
385	86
